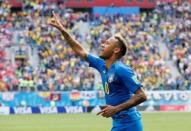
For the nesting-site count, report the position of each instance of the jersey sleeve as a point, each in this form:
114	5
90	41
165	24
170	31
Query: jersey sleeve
94	61
129	79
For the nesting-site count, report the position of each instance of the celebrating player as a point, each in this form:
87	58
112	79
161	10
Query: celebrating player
122	89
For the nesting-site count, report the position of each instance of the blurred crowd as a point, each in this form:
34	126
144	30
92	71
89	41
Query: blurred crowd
60	70
175	31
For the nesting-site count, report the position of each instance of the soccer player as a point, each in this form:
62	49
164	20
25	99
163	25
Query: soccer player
122	89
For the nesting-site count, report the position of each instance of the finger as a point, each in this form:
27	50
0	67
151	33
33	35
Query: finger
51	21
56	16
56	20
101	112
105	114
53	13
54	25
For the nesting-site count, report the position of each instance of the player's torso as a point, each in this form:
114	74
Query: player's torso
115	90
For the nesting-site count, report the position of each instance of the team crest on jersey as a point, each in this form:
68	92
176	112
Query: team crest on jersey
134	77
111	77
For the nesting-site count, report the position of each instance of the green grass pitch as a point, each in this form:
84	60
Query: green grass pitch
177	121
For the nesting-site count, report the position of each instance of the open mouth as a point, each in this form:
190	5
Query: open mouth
101	49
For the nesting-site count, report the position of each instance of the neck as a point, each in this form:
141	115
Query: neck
109	62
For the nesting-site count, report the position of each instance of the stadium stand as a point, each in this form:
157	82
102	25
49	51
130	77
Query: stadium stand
43	63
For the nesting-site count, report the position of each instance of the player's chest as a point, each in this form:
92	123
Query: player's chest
109	76
110	81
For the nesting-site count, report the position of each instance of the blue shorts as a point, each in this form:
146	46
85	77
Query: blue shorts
131	121
127	126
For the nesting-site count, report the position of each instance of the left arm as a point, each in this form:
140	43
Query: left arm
138	98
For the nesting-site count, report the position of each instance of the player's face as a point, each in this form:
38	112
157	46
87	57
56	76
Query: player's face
107	48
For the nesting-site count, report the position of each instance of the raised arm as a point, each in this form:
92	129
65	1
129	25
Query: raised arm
74	44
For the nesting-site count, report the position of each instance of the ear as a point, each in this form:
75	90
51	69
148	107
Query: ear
117	50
